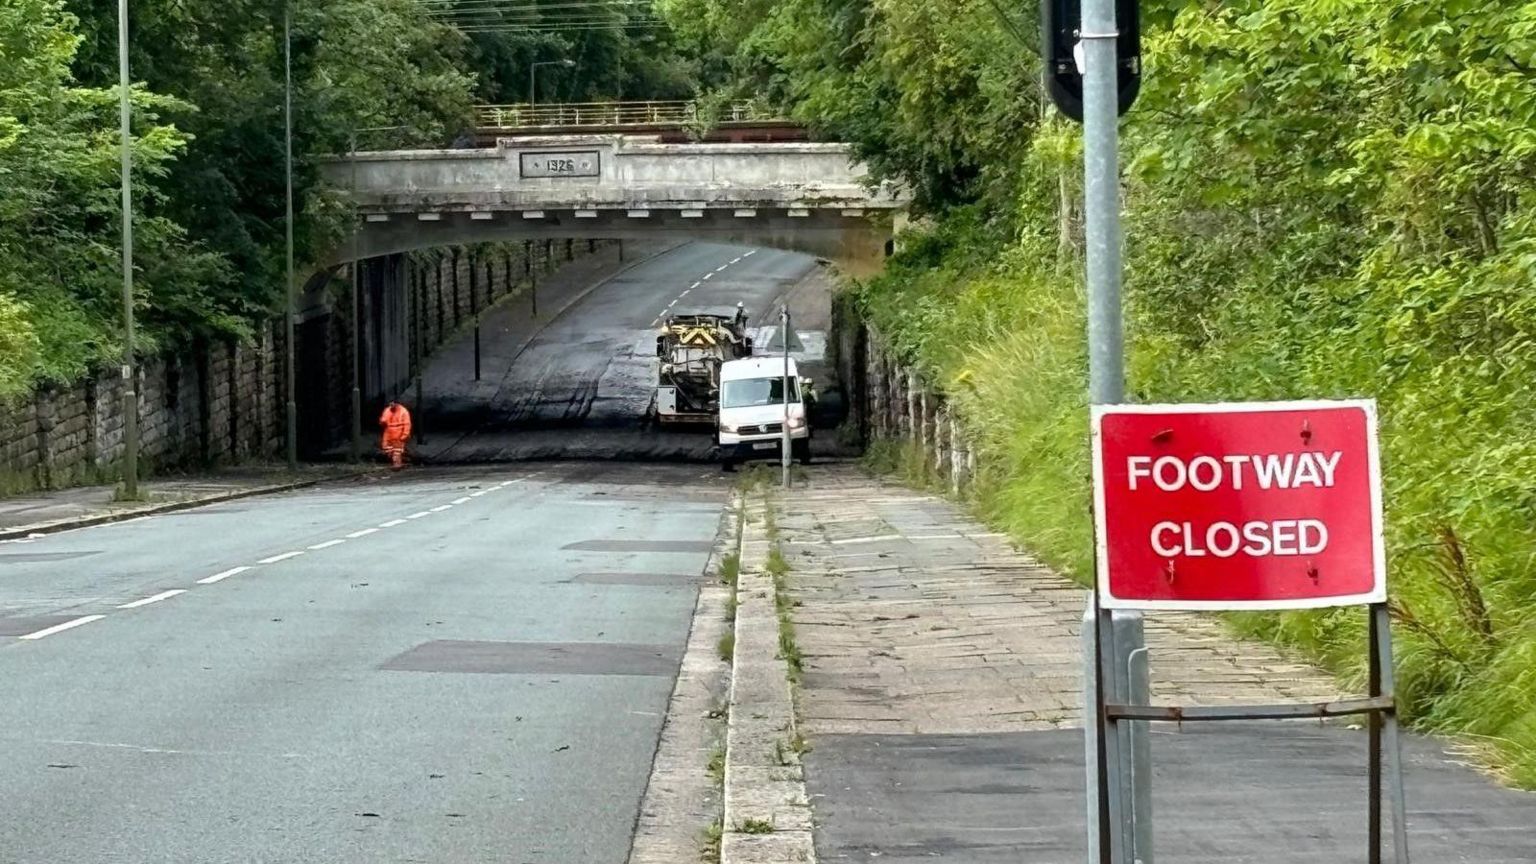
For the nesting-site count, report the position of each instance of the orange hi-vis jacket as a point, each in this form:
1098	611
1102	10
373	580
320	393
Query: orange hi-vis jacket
396	421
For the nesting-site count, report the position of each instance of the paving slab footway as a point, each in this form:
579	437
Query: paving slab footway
941	701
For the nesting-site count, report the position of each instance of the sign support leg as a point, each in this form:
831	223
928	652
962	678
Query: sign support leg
1381	629
1110	783
1373	726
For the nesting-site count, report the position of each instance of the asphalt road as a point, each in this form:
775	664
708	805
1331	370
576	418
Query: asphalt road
579	384
466	665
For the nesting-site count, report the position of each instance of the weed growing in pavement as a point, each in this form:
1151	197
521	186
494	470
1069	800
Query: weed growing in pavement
730	568
716	765
755	826
709	843
726	647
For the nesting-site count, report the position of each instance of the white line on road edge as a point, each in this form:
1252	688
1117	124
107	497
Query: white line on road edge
464	500
736	260
283	557
505	483
419	514
481	492
391	523
363	533
60	628
750	254
219	577
440	508
327	544
163	595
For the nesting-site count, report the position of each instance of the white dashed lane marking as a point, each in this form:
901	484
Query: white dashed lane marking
220	577
271	559
60	628
282	557
163	595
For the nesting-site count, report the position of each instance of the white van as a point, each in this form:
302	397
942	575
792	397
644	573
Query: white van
751	418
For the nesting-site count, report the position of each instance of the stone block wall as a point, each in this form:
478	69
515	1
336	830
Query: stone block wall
900	406
217	403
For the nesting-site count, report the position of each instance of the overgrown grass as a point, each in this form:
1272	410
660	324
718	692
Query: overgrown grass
726	647
755	826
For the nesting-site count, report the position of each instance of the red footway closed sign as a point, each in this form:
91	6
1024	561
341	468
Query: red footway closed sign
1273	505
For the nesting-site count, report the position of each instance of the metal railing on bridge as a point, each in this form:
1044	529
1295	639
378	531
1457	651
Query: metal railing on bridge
619	115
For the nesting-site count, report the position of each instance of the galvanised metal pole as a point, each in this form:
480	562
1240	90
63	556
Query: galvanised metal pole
130	372
1106	386
786	442
292	301
355	431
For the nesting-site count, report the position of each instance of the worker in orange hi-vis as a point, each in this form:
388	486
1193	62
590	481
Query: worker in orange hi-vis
396	423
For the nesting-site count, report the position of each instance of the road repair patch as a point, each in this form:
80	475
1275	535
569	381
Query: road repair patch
537	658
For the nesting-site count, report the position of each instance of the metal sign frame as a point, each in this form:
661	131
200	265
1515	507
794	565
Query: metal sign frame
1119	719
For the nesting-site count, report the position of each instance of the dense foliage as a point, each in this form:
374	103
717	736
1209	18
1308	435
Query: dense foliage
1323	198
208	135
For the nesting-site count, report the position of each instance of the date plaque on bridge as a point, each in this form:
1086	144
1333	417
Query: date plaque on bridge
566	163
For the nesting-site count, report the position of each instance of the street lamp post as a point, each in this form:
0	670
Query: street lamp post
292	411
533	72
130	374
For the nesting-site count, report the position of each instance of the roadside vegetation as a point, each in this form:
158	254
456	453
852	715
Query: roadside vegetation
1322	200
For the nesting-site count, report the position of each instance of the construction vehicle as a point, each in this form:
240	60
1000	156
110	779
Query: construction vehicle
691	349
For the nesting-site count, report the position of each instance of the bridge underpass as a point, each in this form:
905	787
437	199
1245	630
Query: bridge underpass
795	202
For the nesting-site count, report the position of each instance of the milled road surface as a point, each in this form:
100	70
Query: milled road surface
443	666
578	386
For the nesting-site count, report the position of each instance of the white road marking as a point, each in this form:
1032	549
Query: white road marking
684	294
464	500
721	268
441	507
283	557
418	514
219	577
693	286
736	260
363	533
327	544
163	595
506	483
481	492
60	628
708	276
391	523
